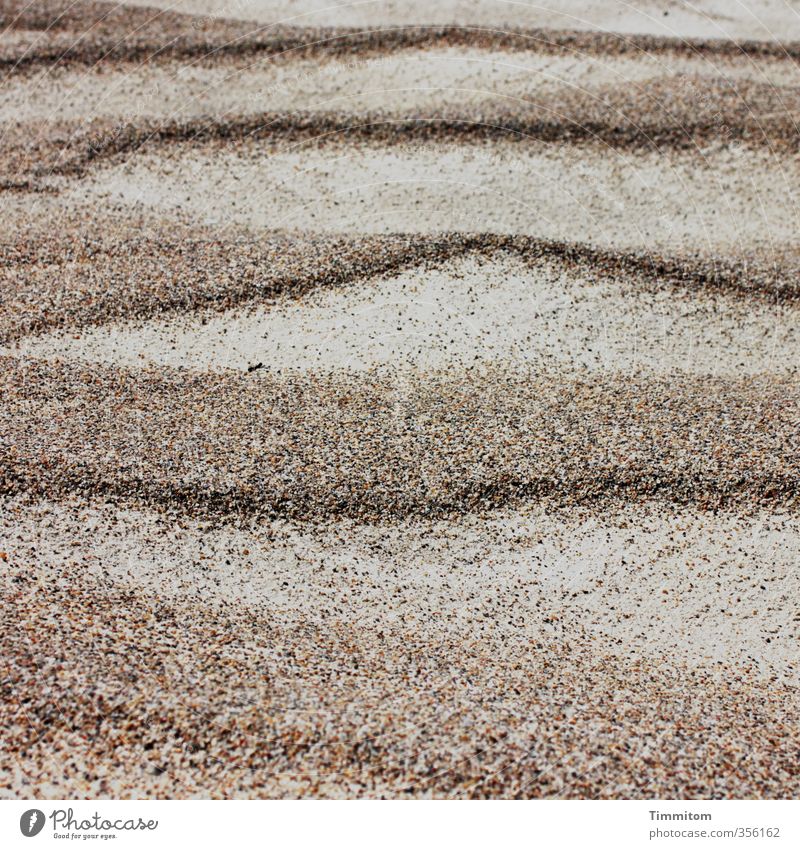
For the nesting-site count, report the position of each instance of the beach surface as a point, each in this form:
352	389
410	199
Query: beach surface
399	401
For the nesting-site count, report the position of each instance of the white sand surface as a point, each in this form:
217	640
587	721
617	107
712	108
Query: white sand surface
762	19
398	82
721	199
13	37
694	587
468	312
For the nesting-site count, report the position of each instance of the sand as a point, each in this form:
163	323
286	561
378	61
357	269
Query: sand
764	19
655	593
415	415
712	201
285	642
408	80
393	443
470	311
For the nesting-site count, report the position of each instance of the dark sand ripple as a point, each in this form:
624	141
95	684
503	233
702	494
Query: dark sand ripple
371	446
60	271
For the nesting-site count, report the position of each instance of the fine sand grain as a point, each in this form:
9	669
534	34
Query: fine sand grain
761	19
468	312
399	400
713	200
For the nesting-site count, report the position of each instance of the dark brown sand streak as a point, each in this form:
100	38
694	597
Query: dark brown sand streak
82	276
660	115
314	446
88	33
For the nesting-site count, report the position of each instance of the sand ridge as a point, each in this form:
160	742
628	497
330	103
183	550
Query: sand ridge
717	200
399	401
288	641
472	310
394	444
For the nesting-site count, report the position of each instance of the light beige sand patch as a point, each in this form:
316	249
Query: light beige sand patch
14	37
469	312
724	199
696	587
762	19
398	83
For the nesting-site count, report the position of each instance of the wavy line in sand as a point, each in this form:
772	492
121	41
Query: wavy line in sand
87	33
205	700
657	115
76	277
377	445
470	311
